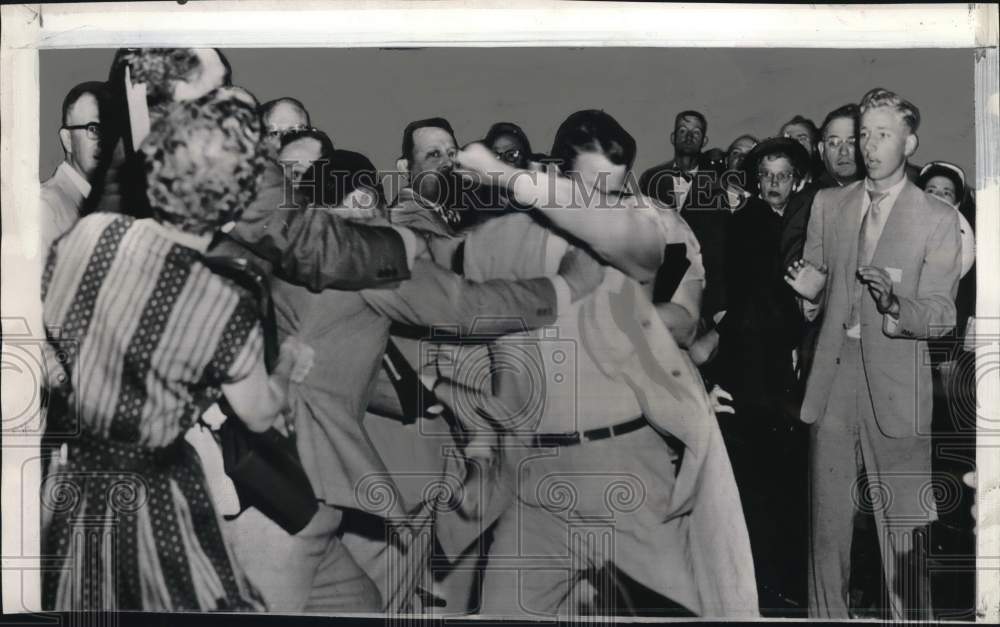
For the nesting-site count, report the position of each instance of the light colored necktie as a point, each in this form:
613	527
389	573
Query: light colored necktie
867	240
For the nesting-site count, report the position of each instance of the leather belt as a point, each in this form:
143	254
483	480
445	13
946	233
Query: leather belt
573	438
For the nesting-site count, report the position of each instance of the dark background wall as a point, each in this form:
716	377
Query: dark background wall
364	97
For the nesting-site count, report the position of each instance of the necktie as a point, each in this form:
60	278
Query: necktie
867	240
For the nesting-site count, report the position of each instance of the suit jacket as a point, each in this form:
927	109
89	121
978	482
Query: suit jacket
60	208
309	247
920	244
348	331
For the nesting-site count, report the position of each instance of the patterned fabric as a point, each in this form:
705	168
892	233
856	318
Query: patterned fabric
142	336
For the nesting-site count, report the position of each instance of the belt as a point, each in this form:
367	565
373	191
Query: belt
545	440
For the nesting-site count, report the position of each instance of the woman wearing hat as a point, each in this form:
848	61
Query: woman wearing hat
954	359
758	335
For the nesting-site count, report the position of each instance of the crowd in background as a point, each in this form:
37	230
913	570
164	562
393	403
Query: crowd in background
757	329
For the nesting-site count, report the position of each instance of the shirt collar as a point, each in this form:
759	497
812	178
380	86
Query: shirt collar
891	194
79	182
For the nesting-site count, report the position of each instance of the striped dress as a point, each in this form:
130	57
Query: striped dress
141	335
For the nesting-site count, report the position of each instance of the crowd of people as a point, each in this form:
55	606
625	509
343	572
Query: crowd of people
520	384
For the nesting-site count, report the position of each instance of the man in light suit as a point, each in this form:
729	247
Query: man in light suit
348	331
80	135
882	261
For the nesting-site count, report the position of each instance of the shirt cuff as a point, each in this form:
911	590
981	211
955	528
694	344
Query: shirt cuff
409	243
564	298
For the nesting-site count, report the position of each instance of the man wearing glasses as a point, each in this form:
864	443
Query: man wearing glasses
282	116
80	134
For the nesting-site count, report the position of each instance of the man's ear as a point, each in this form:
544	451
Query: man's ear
821	149
910	146
403	165
672	138
64	139
704	141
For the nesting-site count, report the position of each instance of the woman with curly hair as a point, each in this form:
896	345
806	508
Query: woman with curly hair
143	338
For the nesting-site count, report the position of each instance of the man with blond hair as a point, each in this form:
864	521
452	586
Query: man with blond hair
882	261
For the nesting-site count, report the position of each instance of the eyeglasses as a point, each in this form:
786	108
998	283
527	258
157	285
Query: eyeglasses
291	129
93	129
833	143
510	156
775	177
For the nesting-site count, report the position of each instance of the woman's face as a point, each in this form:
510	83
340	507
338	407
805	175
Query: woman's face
777	177
301	154
510	150
943	188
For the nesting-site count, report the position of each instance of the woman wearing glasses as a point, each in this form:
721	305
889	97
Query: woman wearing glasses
755	363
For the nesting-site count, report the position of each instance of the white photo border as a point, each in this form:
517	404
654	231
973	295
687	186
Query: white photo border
27	28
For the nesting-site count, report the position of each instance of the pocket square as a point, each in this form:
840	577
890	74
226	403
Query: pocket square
895	274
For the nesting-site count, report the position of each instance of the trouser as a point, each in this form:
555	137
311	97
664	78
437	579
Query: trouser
597	507
846	445
311	571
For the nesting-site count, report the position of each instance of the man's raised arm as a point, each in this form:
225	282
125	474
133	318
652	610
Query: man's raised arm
624	234
318	250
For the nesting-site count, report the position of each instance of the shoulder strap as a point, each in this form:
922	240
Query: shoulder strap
248	275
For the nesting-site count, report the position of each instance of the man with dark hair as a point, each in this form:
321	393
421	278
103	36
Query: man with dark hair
841	166
838	147
621	413
882	262
427	163
670	182
80	135
703	204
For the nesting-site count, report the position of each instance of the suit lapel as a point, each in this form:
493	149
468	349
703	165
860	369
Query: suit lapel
849	214
899	225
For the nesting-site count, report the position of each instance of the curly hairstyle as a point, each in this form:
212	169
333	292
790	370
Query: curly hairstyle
203	160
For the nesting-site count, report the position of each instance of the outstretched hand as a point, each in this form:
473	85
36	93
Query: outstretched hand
806	279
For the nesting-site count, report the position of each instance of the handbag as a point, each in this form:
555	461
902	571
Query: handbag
264	467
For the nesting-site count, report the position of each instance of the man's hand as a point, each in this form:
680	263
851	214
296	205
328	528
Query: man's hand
718	396
581	272
806	279
879	285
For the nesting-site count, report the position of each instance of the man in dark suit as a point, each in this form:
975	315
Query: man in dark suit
841	166
882	261
681	184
